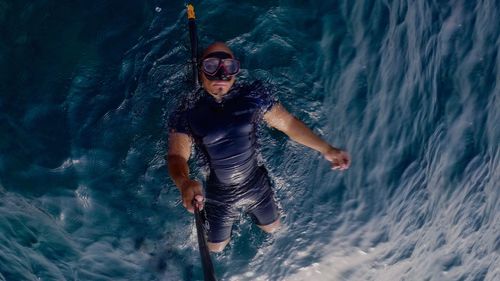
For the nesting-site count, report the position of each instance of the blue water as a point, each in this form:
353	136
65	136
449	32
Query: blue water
410	88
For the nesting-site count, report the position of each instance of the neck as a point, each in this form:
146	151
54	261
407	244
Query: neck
218	94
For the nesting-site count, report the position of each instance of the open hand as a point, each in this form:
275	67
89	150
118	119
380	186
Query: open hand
192	194
339	159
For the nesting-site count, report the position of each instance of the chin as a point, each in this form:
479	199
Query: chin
218	87
221	87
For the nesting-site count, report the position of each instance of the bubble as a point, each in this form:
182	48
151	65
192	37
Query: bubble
158	9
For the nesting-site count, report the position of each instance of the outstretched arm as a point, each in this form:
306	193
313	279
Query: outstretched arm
179	150
278	117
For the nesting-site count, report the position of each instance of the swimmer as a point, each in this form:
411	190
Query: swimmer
222	123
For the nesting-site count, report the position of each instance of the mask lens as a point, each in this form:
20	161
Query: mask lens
231	66
210	65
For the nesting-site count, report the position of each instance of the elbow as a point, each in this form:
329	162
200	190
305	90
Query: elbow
174	160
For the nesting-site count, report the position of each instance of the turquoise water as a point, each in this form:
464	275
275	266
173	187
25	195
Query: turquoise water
410	88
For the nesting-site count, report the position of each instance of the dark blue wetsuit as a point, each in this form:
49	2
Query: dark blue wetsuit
225	132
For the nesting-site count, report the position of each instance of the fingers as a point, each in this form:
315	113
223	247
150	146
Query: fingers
340	161
187	203
192	196
340	165
335	164
198	201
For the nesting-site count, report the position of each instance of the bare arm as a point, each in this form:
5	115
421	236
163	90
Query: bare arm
278	117
179	150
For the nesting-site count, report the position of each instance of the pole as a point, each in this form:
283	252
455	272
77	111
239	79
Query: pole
206	261
193	38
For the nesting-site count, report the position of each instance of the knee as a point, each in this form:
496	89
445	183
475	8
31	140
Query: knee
271	228
217	247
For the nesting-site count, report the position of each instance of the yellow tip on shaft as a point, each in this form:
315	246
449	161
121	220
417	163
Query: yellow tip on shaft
190	12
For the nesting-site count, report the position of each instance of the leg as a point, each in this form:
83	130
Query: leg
270	228
220	219
217	247
266	215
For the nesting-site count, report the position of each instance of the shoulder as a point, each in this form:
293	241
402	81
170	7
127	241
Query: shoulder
253	87
188	103
262	93
178	119
256	89
180	111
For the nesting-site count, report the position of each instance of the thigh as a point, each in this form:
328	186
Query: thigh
265	211
220	218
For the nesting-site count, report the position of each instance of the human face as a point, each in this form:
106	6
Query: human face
221	81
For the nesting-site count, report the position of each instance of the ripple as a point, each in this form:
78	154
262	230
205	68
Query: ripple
409	88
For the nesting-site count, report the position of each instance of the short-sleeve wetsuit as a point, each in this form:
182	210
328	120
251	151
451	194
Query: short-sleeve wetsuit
225	132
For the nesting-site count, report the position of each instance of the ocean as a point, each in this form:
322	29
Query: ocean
411	89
